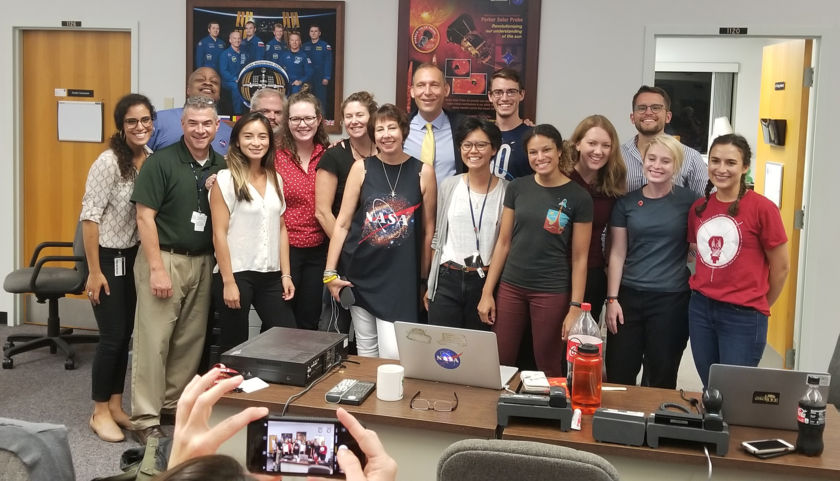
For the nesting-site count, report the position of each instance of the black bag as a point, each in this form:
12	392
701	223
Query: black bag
143	463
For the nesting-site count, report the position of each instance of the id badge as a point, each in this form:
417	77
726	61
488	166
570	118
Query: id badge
473	260
119	266
199	221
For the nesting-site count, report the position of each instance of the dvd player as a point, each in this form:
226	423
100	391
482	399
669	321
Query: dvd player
287	356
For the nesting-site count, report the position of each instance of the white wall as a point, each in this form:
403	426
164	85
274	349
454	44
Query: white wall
592	58
746	52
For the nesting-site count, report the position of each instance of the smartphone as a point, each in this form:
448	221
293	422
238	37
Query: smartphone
767	446
298	445
346	297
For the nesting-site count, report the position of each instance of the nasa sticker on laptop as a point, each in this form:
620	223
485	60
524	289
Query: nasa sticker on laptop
447	358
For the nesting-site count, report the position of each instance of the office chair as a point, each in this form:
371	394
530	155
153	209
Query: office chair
34	452
49	284
496	459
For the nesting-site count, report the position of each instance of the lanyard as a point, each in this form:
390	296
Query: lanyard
477	228
199	184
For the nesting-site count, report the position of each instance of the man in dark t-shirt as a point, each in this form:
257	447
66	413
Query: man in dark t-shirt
506	93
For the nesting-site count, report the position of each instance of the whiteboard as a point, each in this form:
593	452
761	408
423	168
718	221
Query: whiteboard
79	121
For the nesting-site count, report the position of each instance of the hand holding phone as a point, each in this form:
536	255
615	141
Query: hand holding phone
379	467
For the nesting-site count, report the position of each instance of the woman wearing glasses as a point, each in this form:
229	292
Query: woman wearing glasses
302	144
387	239
467	225
539	261
110	236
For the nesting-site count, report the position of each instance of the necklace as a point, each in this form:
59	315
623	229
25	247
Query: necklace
355	152
392	187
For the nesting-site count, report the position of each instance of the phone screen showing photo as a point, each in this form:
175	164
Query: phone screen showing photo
300	446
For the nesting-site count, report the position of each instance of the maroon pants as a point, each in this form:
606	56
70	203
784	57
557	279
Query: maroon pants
544	311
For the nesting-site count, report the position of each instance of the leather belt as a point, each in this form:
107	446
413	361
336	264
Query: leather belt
184	252
458	267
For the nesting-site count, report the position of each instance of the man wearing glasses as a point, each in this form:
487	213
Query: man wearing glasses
172	272
651	111
506	93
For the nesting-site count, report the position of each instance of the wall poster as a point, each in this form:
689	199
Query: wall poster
468	40
281	44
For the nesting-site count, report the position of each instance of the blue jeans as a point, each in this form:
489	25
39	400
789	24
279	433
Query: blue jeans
724	333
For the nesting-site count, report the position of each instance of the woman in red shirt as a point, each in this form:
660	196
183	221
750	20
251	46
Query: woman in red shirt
302	143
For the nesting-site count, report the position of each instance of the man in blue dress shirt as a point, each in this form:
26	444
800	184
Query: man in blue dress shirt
320	54
203	82
296	64
230	64
209	48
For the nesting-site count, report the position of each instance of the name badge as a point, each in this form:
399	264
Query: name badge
199	221
119	266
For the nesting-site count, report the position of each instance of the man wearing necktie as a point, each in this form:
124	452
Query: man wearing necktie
430	134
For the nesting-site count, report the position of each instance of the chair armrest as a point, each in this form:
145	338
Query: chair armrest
47	259
44	245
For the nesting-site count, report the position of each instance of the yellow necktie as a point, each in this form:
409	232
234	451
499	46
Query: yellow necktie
427	149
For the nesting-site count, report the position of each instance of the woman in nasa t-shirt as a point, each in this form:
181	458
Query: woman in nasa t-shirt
742	262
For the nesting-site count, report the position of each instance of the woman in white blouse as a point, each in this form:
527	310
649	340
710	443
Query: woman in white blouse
109	226
249	235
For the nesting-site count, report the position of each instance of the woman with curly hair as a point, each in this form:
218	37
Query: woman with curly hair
109	226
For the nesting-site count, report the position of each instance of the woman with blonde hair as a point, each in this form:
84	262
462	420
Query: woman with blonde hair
599	168
302	143
647	281
249	235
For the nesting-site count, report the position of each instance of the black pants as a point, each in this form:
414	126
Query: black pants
456	300
263	290
654	334
596	291
307	264
115	319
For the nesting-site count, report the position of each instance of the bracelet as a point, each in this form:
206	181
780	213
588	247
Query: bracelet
612	299
330	278
285	276
574	304
330	272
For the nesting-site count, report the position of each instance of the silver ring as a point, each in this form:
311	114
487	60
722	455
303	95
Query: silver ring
90	293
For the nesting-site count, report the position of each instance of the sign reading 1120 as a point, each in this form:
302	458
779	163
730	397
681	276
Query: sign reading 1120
733	30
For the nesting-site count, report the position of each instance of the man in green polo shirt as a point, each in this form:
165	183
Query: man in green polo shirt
173	268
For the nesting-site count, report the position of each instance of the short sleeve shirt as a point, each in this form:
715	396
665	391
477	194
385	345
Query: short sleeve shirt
337	161
299	190
172	183
544	219
656	245
107	202
731	263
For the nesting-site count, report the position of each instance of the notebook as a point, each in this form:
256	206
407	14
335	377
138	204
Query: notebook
762	397
449	354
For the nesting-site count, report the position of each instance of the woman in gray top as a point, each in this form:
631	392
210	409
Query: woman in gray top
469	210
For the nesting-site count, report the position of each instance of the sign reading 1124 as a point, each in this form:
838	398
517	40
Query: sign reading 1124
733	30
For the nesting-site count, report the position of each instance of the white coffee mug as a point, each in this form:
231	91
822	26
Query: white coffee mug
389	382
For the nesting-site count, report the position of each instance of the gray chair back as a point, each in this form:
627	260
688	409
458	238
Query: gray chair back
495	459
79	250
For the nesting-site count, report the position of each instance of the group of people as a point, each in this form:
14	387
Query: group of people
308	62
432	217
294	451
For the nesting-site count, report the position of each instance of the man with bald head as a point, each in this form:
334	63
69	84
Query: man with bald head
430	135
203	82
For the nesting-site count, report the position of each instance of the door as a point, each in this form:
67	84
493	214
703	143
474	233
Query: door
783	96
54	62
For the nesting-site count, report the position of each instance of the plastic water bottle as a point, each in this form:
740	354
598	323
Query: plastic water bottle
811	419
586	378
584	331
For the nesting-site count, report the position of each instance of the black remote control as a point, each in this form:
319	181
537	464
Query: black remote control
527	399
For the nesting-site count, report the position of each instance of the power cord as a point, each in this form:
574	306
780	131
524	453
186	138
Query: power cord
327	372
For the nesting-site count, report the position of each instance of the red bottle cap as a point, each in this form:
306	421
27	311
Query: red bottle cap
586	306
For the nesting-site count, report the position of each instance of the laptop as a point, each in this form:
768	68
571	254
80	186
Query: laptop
762	397
453	355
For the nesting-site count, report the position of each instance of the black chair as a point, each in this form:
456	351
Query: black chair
49	284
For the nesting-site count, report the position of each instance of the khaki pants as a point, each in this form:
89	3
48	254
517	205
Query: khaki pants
168	334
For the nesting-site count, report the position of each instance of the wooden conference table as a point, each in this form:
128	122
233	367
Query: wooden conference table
417	438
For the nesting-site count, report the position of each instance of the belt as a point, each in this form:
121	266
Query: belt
184	252
458	267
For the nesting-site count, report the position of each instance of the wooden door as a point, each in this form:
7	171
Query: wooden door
783	96
55	62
